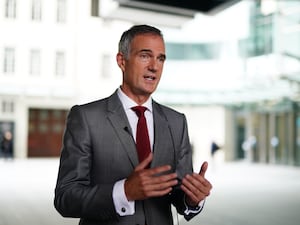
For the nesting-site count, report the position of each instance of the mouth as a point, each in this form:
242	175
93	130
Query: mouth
149	77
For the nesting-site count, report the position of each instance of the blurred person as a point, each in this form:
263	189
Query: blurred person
102	179
214	148
7	145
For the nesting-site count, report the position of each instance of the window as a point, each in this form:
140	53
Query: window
9	60
7	106
10	8
36	10
61	11
95	8
35	62
60	64
43	115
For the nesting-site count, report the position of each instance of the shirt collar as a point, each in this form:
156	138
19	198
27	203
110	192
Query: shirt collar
128	103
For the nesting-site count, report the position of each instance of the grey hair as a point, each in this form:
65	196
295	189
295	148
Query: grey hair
129	35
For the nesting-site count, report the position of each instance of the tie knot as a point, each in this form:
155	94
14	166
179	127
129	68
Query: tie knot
139	110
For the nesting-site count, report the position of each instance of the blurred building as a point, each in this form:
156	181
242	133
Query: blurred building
267	128
235	73
53	54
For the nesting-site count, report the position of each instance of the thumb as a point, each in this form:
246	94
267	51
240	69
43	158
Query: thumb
145	163
203	169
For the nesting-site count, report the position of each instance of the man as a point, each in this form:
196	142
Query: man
101	180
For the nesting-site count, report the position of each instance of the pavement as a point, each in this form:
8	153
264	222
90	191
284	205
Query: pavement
243	194
252	194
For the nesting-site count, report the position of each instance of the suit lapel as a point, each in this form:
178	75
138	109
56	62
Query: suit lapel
162	138
119	121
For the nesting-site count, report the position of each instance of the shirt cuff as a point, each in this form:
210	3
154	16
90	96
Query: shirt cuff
122	205
193	210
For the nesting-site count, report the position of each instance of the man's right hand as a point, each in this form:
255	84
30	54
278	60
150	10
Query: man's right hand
146	182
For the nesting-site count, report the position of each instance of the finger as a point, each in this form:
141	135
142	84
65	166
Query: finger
158	186
203	169
192	183
159	179
159	176
158	193
190	195
160	170
196	184
195	193
144	164
162	184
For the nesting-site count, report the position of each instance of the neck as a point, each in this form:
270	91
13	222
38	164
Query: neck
139	99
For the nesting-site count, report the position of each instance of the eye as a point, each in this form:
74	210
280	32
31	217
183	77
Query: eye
162	58
145	56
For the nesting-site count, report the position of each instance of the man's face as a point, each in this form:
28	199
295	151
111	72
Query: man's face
143	68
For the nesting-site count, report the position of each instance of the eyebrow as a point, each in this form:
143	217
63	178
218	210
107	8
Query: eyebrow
150	51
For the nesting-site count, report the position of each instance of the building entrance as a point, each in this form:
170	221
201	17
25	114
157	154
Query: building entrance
45	133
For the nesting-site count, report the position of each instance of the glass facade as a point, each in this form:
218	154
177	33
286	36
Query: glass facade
193	51
267	125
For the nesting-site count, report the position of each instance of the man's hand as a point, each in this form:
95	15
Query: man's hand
145	183
196	187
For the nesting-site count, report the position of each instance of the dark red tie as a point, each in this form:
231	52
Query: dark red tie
142	136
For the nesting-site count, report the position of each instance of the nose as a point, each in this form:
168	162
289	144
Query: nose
153	65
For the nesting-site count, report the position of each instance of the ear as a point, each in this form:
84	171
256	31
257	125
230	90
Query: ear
121	61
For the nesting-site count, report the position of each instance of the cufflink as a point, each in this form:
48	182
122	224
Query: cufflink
123	209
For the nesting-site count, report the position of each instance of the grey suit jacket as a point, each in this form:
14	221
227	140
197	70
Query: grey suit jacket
99	149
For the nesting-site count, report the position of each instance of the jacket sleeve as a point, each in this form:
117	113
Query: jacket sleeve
184	165
75	195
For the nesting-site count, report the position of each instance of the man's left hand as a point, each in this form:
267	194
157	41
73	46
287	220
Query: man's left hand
196	186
